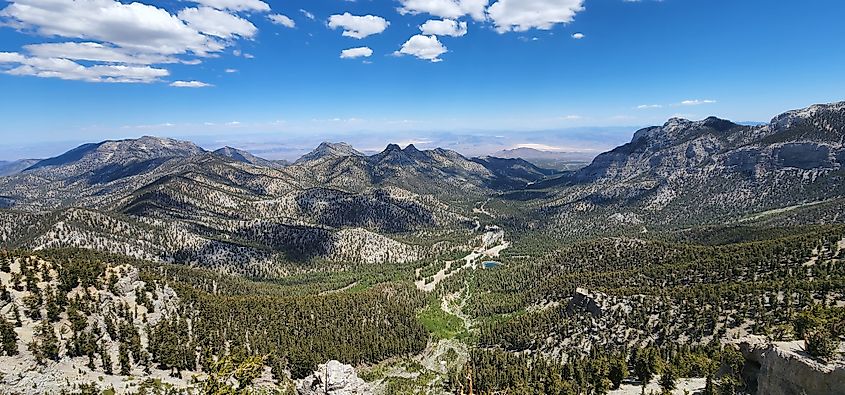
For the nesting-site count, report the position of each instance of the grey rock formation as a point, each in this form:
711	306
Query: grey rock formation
333	378
587	301
783	369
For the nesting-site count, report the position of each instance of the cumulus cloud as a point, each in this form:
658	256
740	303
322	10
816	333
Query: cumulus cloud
235	5
578	36
423	47
696	102
445	8
135	26
217	23
189	84
523	15
360	52
358	26
120	38
283	20
17	64
445	27
649	106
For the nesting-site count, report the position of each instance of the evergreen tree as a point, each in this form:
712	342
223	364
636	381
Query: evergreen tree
8	338
668	381
821	344
105	359
709	388
618	371
123	359
45	343
646	365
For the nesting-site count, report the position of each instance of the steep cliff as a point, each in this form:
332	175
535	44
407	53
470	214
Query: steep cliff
783	368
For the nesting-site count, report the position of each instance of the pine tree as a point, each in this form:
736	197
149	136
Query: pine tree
8	338
708	386
105	358
668	381
618	371
16	314
45	343
646	364
123	359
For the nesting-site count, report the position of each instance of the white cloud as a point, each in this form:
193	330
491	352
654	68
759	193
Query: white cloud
649	106
217	23
235	5
189	84
696	102
70	70
11	57
119	38
231	70
283	20
523	15
95	52
423	47
358	26
446	8
360	52
307	14
137	27
578	36
445	27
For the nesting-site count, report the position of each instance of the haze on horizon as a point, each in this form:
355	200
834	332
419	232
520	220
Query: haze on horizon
278	77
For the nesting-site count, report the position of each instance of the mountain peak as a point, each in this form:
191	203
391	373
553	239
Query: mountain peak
329	150
243	156
790	118
123	151
718	124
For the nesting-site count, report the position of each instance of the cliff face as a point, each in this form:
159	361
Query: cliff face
784	369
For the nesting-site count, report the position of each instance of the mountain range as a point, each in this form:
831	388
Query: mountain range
170	200
714	243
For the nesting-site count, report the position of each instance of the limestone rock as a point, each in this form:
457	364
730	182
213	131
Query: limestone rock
583	299
785	369
333	378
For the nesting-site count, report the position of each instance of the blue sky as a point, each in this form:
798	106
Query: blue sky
513	77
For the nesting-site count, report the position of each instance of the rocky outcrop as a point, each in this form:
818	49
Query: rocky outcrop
333	378
785	369
585	300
